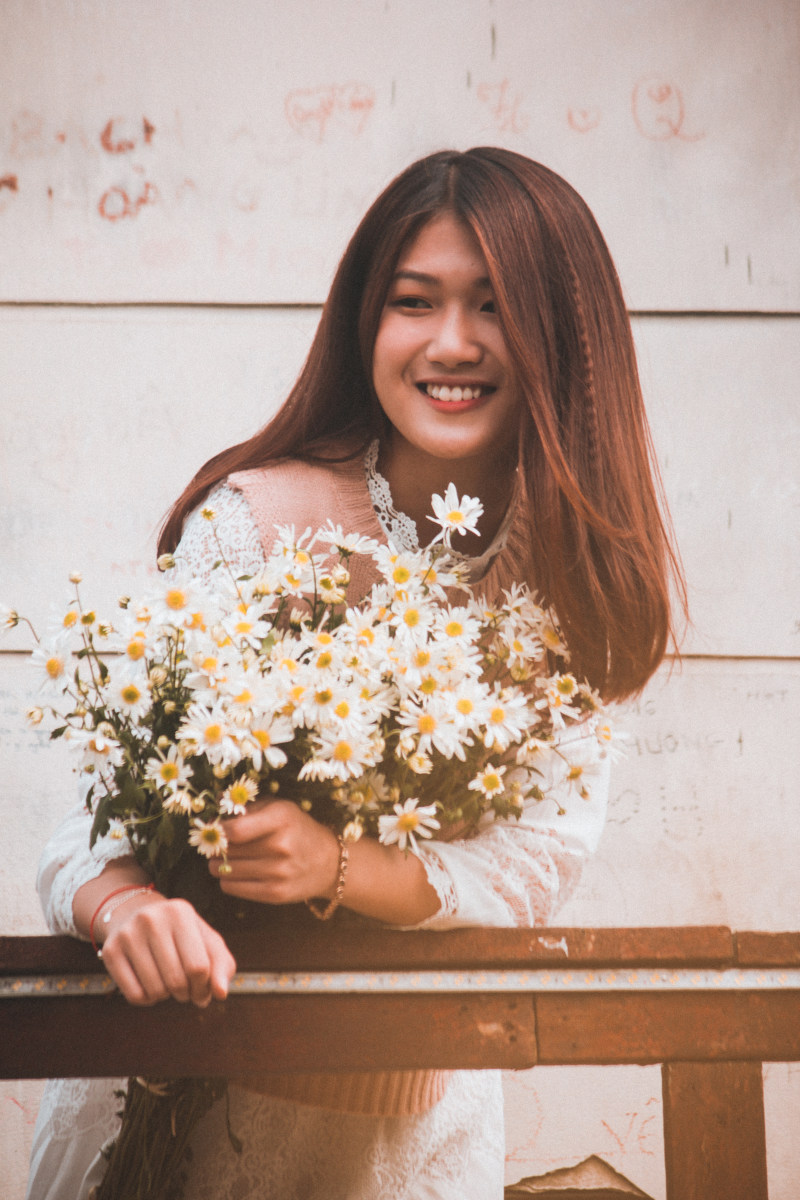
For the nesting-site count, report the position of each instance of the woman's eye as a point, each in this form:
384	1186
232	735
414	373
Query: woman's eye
488	306
413	302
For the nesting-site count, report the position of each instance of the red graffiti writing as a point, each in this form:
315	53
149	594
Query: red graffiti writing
658	111
504	106
311	111
115	204
582	120
121	141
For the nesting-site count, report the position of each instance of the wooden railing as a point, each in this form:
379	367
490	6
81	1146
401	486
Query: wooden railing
708	1004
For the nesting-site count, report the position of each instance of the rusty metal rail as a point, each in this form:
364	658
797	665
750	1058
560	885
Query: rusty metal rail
708	1004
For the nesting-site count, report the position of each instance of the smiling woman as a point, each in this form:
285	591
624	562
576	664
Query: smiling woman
474	344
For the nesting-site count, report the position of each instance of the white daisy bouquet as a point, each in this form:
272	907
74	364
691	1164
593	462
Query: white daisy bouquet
421	713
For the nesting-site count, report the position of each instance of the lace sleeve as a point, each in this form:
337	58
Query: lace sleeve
235	528
68	862
516	873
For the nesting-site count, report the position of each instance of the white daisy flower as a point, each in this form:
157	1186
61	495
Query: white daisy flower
168	770
208	838
52	657
99	750
455	513
127	692
236	797
407	824
489	781
205	731
507	720
346	544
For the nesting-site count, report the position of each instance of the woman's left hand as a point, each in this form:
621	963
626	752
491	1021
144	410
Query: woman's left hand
278	854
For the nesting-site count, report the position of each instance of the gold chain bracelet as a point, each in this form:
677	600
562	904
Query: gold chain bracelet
323	913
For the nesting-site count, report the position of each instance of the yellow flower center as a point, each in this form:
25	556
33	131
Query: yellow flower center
135	649
401	575
130	693
497	715
422	658
168	771
325	659
342	709
262	737
324	697
454	629
566	685
491	782
455	517
426	723
342	752
243	627
428	685
324	639
239	793
70	618
196	621
54	666
175	599
212	734
408	822
464	706
411	617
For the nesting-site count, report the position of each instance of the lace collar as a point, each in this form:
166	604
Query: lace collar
401	530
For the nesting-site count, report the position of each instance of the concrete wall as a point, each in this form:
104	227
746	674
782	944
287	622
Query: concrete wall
177	181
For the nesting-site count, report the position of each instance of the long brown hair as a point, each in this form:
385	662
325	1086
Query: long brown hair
600	540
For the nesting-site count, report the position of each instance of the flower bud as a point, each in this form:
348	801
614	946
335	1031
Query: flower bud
165	562
75	577
124	601
34	716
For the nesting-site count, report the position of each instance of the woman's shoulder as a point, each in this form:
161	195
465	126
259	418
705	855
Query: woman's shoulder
307	492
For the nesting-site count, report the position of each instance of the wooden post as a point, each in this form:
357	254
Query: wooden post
714	1134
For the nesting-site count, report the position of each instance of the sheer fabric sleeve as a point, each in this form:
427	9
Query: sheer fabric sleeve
67	861
516	873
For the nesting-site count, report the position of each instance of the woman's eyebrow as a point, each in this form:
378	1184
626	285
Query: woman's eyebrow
423	277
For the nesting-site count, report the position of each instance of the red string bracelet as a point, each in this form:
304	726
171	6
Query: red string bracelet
128	887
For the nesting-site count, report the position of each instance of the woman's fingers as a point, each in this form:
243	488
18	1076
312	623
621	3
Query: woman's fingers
166	949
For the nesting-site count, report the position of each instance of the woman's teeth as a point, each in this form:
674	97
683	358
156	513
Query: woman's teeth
440	391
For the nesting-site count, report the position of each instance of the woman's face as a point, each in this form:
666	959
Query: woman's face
440	366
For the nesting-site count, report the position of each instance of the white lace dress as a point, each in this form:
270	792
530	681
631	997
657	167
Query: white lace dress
509	875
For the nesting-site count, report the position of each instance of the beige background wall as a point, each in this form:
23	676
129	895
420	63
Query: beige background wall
177	181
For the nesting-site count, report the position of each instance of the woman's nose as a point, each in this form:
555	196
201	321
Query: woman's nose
455	339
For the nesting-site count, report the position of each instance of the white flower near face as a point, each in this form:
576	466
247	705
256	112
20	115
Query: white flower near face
168	770
205	731
559	693
180	801
208	838
52	657
454	513
407	824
